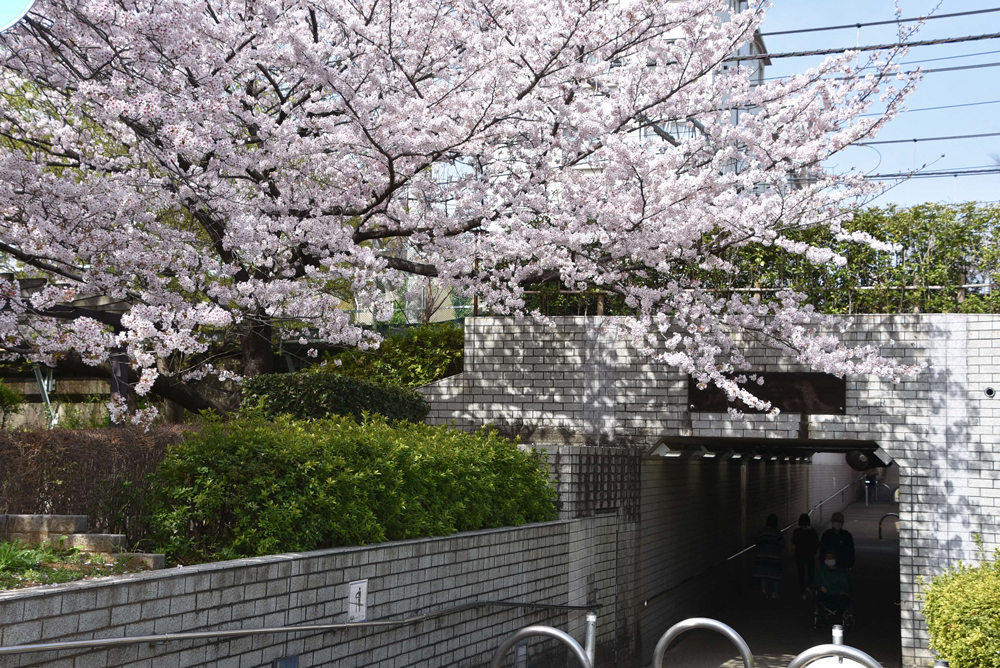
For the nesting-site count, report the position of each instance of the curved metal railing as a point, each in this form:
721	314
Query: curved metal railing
548	631
896	515
701	623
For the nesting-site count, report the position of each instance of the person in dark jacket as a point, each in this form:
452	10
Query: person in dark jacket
770	549
839	541
806	543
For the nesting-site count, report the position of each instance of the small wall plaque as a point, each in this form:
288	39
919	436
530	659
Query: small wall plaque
357	601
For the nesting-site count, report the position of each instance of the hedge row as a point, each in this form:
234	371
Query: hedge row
306	395
251	487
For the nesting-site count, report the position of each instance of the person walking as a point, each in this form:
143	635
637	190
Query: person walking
806	543
839	541
770	550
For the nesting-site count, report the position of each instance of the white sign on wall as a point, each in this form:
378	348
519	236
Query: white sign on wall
357	601
11	11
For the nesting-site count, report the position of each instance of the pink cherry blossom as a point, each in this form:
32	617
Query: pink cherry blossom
211	169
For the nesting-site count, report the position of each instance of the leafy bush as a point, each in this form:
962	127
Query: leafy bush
320	395
250	487
962	609
411	358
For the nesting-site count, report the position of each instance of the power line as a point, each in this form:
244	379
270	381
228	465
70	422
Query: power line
877	47
913	141
947	106
934	175
931	60
879	23
930	71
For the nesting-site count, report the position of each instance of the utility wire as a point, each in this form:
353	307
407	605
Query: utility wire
879	23
934	175
947	106
931	60
877	47
930	71
913	141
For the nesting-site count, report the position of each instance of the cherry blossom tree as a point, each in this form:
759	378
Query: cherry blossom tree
217	168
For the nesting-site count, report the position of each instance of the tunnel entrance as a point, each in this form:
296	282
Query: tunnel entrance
704	500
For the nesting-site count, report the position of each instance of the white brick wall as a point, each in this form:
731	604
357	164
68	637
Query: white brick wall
577	384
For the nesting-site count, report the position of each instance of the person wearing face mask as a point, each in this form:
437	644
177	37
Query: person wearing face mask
838	541
832	585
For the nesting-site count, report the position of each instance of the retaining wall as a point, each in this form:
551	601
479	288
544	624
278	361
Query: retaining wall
533	563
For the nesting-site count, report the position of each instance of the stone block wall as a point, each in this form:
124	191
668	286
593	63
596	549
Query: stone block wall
526	564
580	383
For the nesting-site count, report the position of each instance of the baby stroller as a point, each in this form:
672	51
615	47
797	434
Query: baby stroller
831	610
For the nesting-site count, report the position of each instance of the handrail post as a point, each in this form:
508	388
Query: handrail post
701	623
590	642
822	651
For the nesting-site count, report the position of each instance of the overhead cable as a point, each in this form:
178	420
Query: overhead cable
947	106
901	176
920	139
930	71
880	23
876	47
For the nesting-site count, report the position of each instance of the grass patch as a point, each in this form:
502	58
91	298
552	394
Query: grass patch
23	566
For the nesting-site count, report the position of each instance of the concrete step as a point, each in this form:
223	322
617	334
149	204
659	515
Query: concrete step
104	543
132	559
56	525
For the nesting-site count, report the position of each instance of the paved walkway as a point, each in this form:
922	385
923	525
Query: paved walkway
777	630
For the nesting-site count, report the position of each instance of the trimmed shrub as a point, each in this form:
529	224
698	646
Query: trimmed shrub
962	609
250	487
410	358
101	473
306	395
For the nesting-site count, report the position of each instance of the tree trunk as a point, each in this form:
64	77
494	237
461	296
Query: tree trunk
258	354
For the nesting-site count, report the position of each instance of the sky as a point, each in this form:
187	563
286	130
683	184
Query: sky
936	89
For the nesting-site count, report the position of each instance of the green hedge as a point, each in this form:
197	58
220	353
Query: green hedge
249	487
320	395
410	358
962	609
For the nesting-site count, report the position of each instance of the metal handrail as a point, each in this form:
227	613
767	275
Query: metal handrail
820	651
548	631
896	515
725	561
701	623
311	628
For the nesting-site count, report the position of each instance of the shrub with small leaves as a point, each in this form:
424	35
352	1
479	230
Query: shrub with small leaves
410	358
306	395
250	487
962	609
